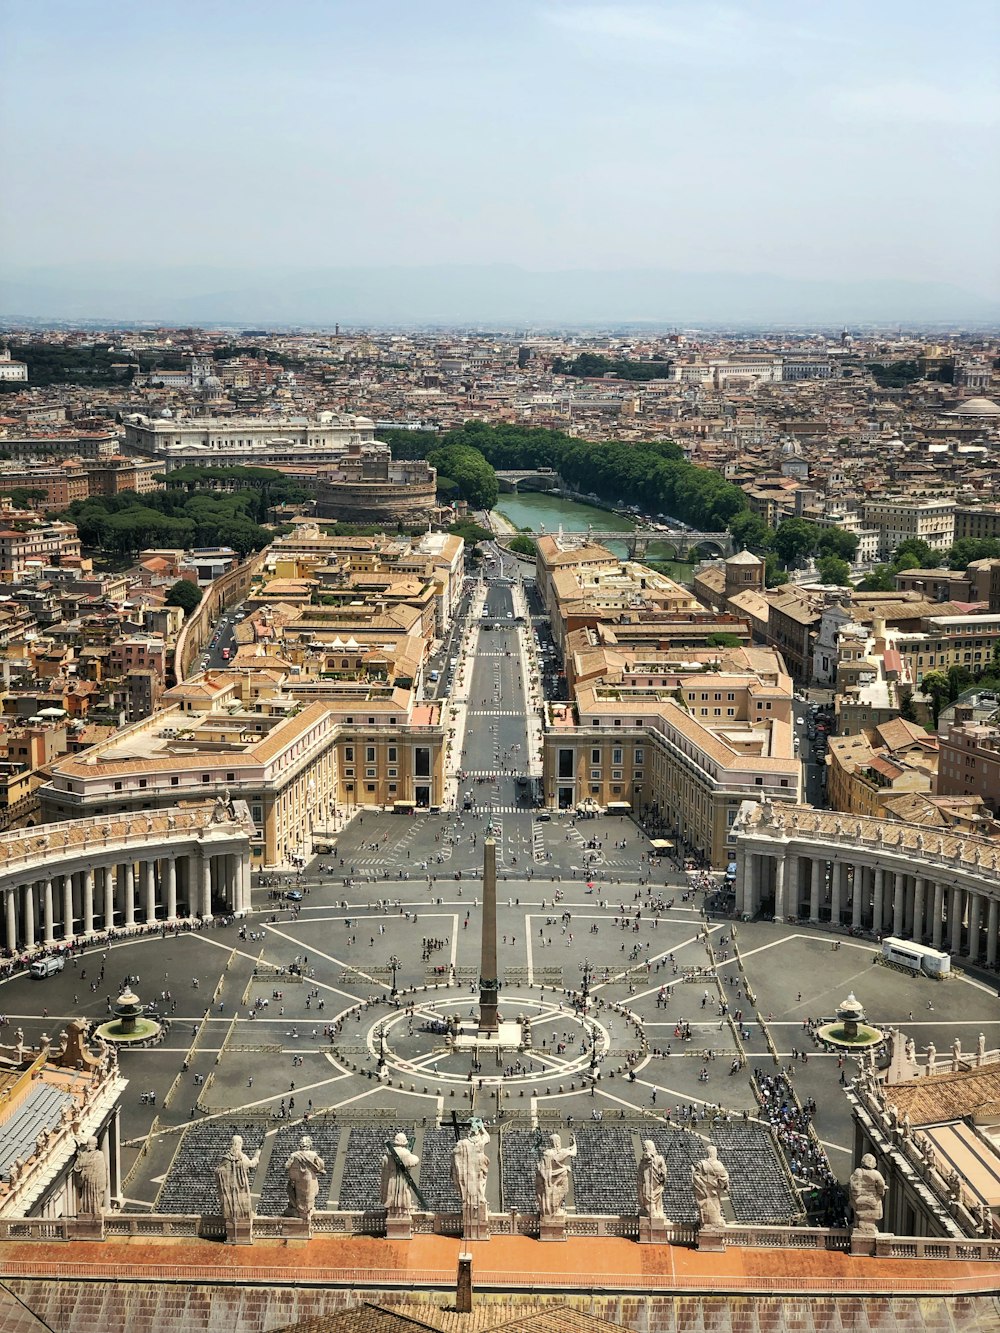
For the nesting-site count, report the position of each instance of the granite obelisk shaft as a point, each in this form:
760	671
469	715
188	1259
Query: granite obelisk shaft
489	983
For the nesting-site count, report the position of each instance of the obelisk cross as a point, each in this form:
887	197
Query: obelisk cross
489	983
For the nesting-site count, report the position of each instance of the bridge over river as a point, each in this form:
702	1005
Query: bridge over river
681	540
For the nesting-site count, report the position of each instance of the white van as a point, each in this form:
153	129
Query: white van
45	967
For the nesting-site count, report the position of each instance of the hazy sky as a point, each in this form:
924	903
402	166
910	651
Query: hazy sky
855	138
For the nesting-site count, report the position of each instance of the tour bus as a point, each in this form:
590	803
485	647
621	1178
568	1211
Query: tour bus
917	957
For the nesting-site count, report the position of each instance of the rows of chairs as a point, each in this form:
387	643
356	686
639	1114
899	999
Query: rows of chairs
436	1185
326	1140
520	1153
604	1174
680	1150
190	1183
758	1188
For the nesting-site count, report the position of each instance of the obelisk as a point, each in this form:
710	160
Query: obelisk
489	983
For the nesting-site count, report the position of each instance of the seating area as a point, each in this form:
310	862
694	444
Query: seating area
190	1183
436	1185
758	1187
517	1184
274	1195
604	1173
40	1110
361	1190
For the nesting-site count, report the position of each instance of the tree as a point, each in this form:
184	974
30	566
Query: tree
750	531
795	538
184	594
774	575
469	470
523	546
926	556
937	686
881	579
722	639
832	569
471	533
837	541
967	549
959	679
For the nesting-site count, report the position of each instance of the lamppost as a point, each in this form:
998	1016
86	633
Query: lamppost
393	963
586	967
380	1033
593	1050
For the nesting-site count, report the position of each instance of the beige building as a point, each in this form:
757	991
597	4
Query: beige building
931	519
685	751
296	763
866	770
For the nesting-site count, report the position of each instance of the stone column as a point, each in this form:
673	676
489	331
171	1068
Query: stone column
109	897
779	888
992	927
47	909
148	881
242	889
919	890
837	890
899	901
937	924
793	881
170	877
10	910
956	911
975	921
206	887
908	892
29	916
860	896
88	902
878	904
67	907
128	881
489	979
816	888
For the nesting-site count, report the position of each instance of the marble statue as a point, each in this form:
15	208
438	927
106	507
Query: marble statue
981	1047
470	1165
956	1054
710	1182
304	1168
931	1057
911	1050
651	1181
397	1162
91	1173
867	1188
232	1179
552	1176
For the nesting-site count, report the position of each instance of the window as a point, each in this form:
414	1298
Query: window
566	766
758	782
175	782
595	774
371	786
230	777
640	758
616	776
393	772
616	755
595	756
348	754
392	754
118	786
370	754
205	777
142	782
371	772
348	773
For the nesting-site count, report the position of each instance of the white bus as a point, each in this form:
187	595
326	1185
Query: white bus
917	957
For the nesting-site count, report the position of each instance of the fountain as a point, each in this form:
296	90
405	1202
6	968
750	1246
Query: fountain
850	1031
130	1023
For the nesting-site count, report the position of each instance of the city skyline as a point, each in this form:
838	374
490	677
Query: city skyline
554	161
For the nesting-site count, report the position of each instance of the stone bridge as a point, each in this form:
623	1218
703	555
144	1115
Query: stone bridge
70	880
532	479
680	540
876	875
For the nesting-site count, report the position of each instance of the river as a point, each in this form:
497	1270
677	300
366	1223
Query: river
534	510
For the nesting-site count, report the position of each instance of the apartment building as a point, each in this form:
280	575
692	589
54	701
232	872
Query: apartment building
969	762
40	544
685	751
241	441
867	769
896	518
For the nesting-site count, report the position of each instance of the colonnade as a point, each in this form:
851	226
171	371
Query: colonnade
853	887
61	905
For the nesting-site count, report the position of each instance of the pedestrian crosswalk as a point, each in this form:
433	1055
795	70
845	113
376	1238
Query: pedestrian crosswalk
494	712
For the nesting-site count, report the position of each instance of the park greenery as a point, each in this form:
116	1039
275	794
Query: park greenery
654	475
523	546
893	374
79	364
189	512
591	365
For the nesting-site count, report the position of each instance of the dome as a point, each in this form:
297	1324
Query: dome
792	449
976	407
211	382
166	414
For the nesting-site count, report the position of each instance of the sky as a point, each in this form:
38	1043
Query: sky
846	141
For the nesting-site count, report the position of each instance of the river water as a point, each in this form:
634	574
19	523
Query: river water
534	510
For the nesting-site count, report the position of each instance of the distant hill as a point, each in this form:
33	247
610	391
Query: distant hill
493	294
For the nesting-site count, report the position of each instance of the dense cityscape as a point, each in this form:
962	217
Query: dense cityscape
499	668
